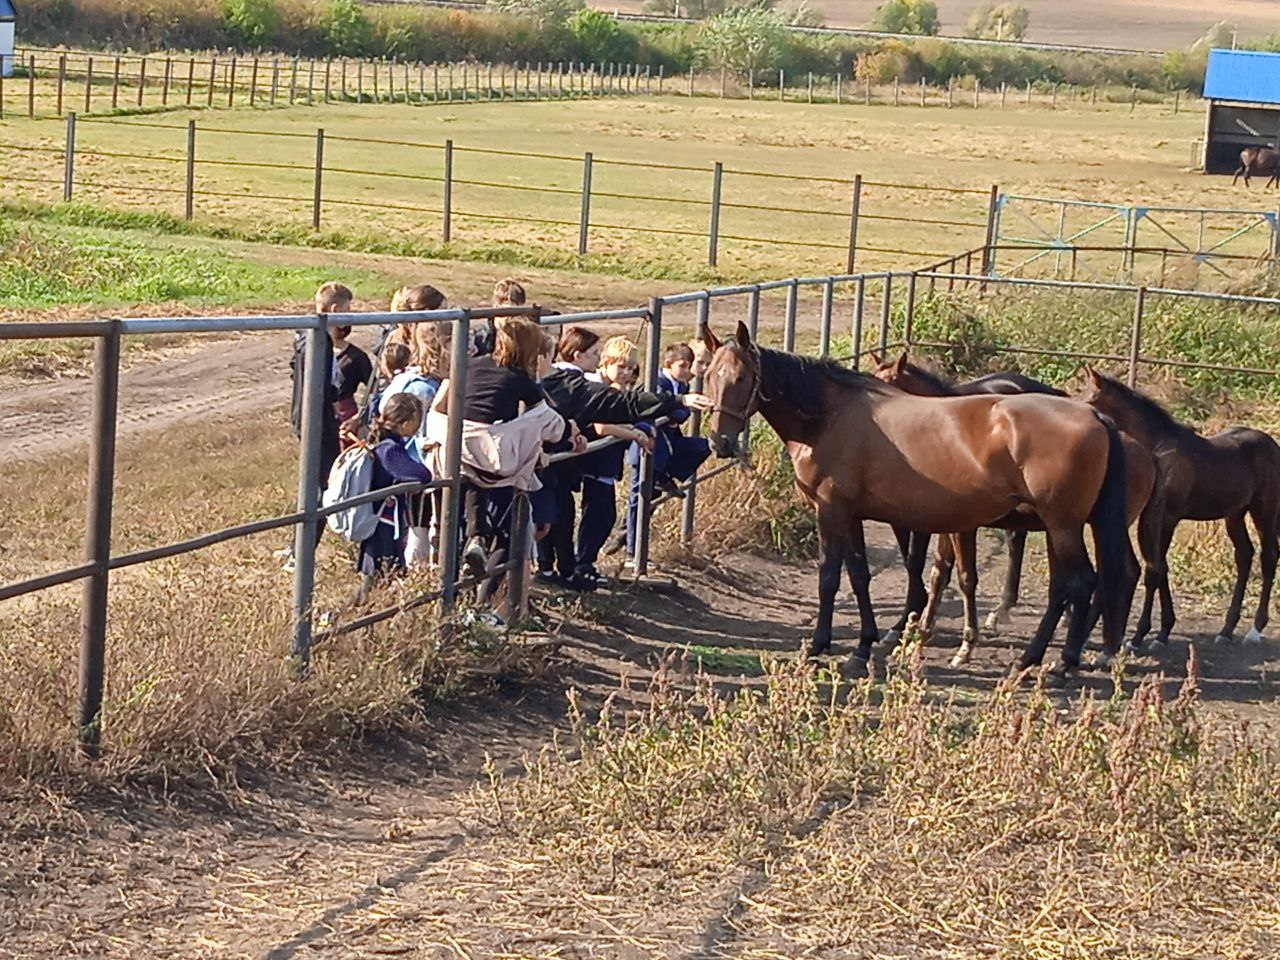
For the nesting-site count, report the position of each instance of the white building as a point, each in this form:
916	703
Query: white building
7	18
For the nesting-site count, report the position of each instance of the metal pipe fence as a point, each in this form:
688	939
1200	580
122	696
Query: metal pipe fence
836	302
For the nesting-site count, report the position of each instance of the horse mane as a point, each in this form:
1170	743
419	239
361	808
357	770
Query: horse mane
933	378
1158	419
798	380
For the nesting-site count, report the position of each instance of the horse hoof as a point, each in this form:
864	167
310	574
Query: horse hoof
995	620
1056	679
812	650
1134	647
1253	636
891	637
855	668
959	660
1223	638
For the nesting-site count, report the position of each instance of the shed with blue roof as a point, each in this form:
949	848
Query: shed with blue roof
8	20
1242	92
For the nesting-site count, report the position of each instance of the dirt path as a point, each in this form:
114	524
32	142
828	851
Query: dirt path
370	855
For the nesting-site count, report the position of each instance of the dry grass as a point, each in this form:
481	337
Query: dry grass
884	821
198	677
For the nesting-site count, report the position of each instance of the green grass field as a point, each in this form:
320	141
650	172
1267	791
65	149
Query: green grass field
646	221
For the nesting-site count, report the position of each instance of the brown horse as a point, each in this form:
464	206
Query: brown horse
1224	477
1140	472
863	450
1257	161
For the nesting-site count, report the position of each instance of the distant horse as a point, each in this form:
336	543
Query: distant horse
1141	475
1257	161
1224	477
863	450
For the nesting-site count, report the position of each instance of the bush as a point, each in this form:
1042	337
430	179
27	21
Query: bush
907	16
347	30
1005	21
252	22
539	11
744	39
600	38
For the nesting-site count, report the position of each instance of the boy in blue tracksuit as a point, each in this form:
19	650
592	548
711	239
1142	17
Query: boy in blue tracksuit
676	457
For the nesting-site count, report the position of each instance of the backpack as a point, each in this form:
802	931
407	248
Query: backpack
351	476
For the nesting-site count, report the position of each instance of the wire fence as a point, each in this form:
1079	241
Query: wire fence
452	192
51	82
880	310
48	82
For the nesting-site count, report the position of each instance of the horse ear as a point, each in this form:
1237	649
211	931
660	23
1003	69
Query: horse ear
710	339
744	336
1091	375
900	365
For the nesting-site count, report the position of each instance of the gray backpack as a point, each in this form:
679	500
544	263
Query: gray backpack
351	476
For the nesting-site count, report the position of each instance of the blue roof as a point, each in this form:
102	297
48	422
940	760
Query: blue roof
1248	75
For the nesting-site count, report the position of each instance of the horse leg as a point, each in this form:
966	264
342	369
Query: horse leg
1244	551
1053	610
966	549
944	561
1016	544
1265	524
1159	562
860	580
1148	541
1079	581
831	548
914	557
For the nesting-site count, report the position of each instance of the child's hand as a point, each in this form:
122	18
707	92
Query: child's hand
579	443
697	401
644	440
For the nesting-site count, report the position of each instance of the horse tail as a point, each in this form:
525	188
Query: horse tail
1116	562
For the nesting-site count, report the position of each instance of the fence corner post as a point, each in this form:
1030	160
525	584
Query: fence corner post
97	541
307	531
853	223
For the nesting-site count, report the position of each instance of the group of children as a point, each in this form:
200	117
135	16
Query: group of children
527	395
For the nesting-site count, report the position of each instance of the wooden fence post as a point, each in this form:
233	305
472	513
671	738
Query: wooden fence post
1133	98
839	100
191	168
69	158
782	84
191	78
62	78
977	94
31	85
717	177
142	79
922	92
315	201
311	79
293	81
1053	102
328	74
275	79
253	82
168	74
853	225
584	218
88	84
810	86
447	229
951	92
691	81
360	81
896	85
231	84
213	81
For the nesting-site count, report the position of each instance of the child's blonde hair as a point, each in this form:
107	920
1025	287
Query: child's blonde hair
421	296
518	345
619	350
508	293
333	297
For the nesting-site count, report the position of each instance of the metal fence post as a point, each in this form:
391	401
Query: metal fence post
644	508
448	188
97	540
909	318
753	327
315	200
307	532
853	223
789	324
886	307
859	306
1135	339
717	177
69	158
452	510
191	168
695	429
584	219
824	336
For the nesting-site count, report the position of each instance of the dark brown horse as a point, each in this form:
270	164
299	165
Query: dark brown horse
1256	161
1140	474
1231	475
863	450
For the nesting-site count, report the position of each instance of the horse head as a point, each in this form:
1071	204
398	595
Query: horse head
732	381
